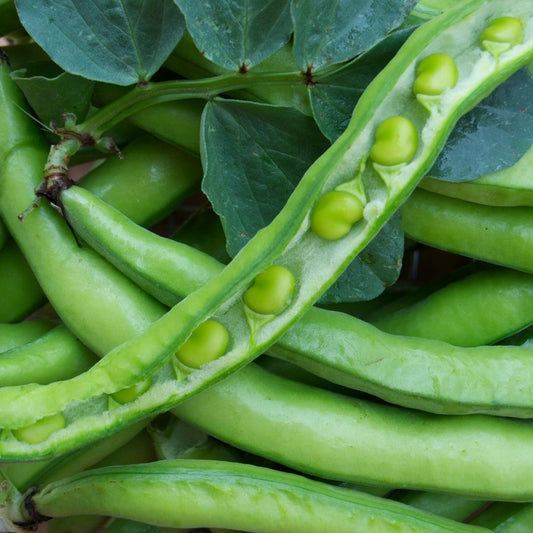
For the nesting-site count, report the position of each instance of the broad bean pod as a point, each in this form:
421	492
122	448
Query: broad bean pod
21	292
442	314
498	235
423	374
14	335
146	161
194	493
336	437
288	241
25	475
56	355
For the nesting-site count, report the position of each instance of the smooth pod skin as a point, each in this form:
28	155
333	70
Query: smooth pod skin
123	447
412	372
14	335
425	375
335	213
171	174
271	291
435	73
353	440
498	235
21	292
148	182
443	315
194	493
396	142
207	342
54	356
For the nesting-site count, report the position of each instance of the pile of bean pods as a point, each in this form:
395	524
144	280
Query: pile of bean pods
151	383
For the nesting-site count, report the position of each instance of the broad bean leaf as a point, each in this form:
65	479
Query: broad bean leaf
254	155
51	97
499	131
116	41
335	95
237	34
328	32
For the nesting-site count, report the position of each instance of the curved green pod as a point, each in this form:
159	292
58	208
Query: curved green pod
15	335
336	437
151	179
498	235
286	241
429	375
195	493
511	186
148	182
56	355
420	373
443	315
21	292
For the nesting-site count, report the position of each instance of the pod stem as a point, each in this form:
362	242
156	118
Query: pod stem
17	510
90	133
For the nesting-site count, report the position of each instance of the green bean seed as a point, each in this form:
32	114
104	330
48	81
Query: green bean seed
508	30
335	213
396	142
435	73
207	342
271	291
129	394
40	430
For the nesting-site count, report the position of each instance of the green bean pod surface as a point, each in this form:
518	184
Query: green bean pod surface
442	314
496	234
194	493
341	438
415	373
56	355
14	335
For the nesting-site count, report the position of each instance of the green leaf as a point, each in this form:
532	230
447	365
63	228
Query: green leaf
343	30
334	96
116	41
499	131
254	155
237	34
51	97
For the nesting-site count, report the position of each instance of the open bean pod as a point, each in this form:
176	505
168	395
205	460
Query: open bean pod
358	163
